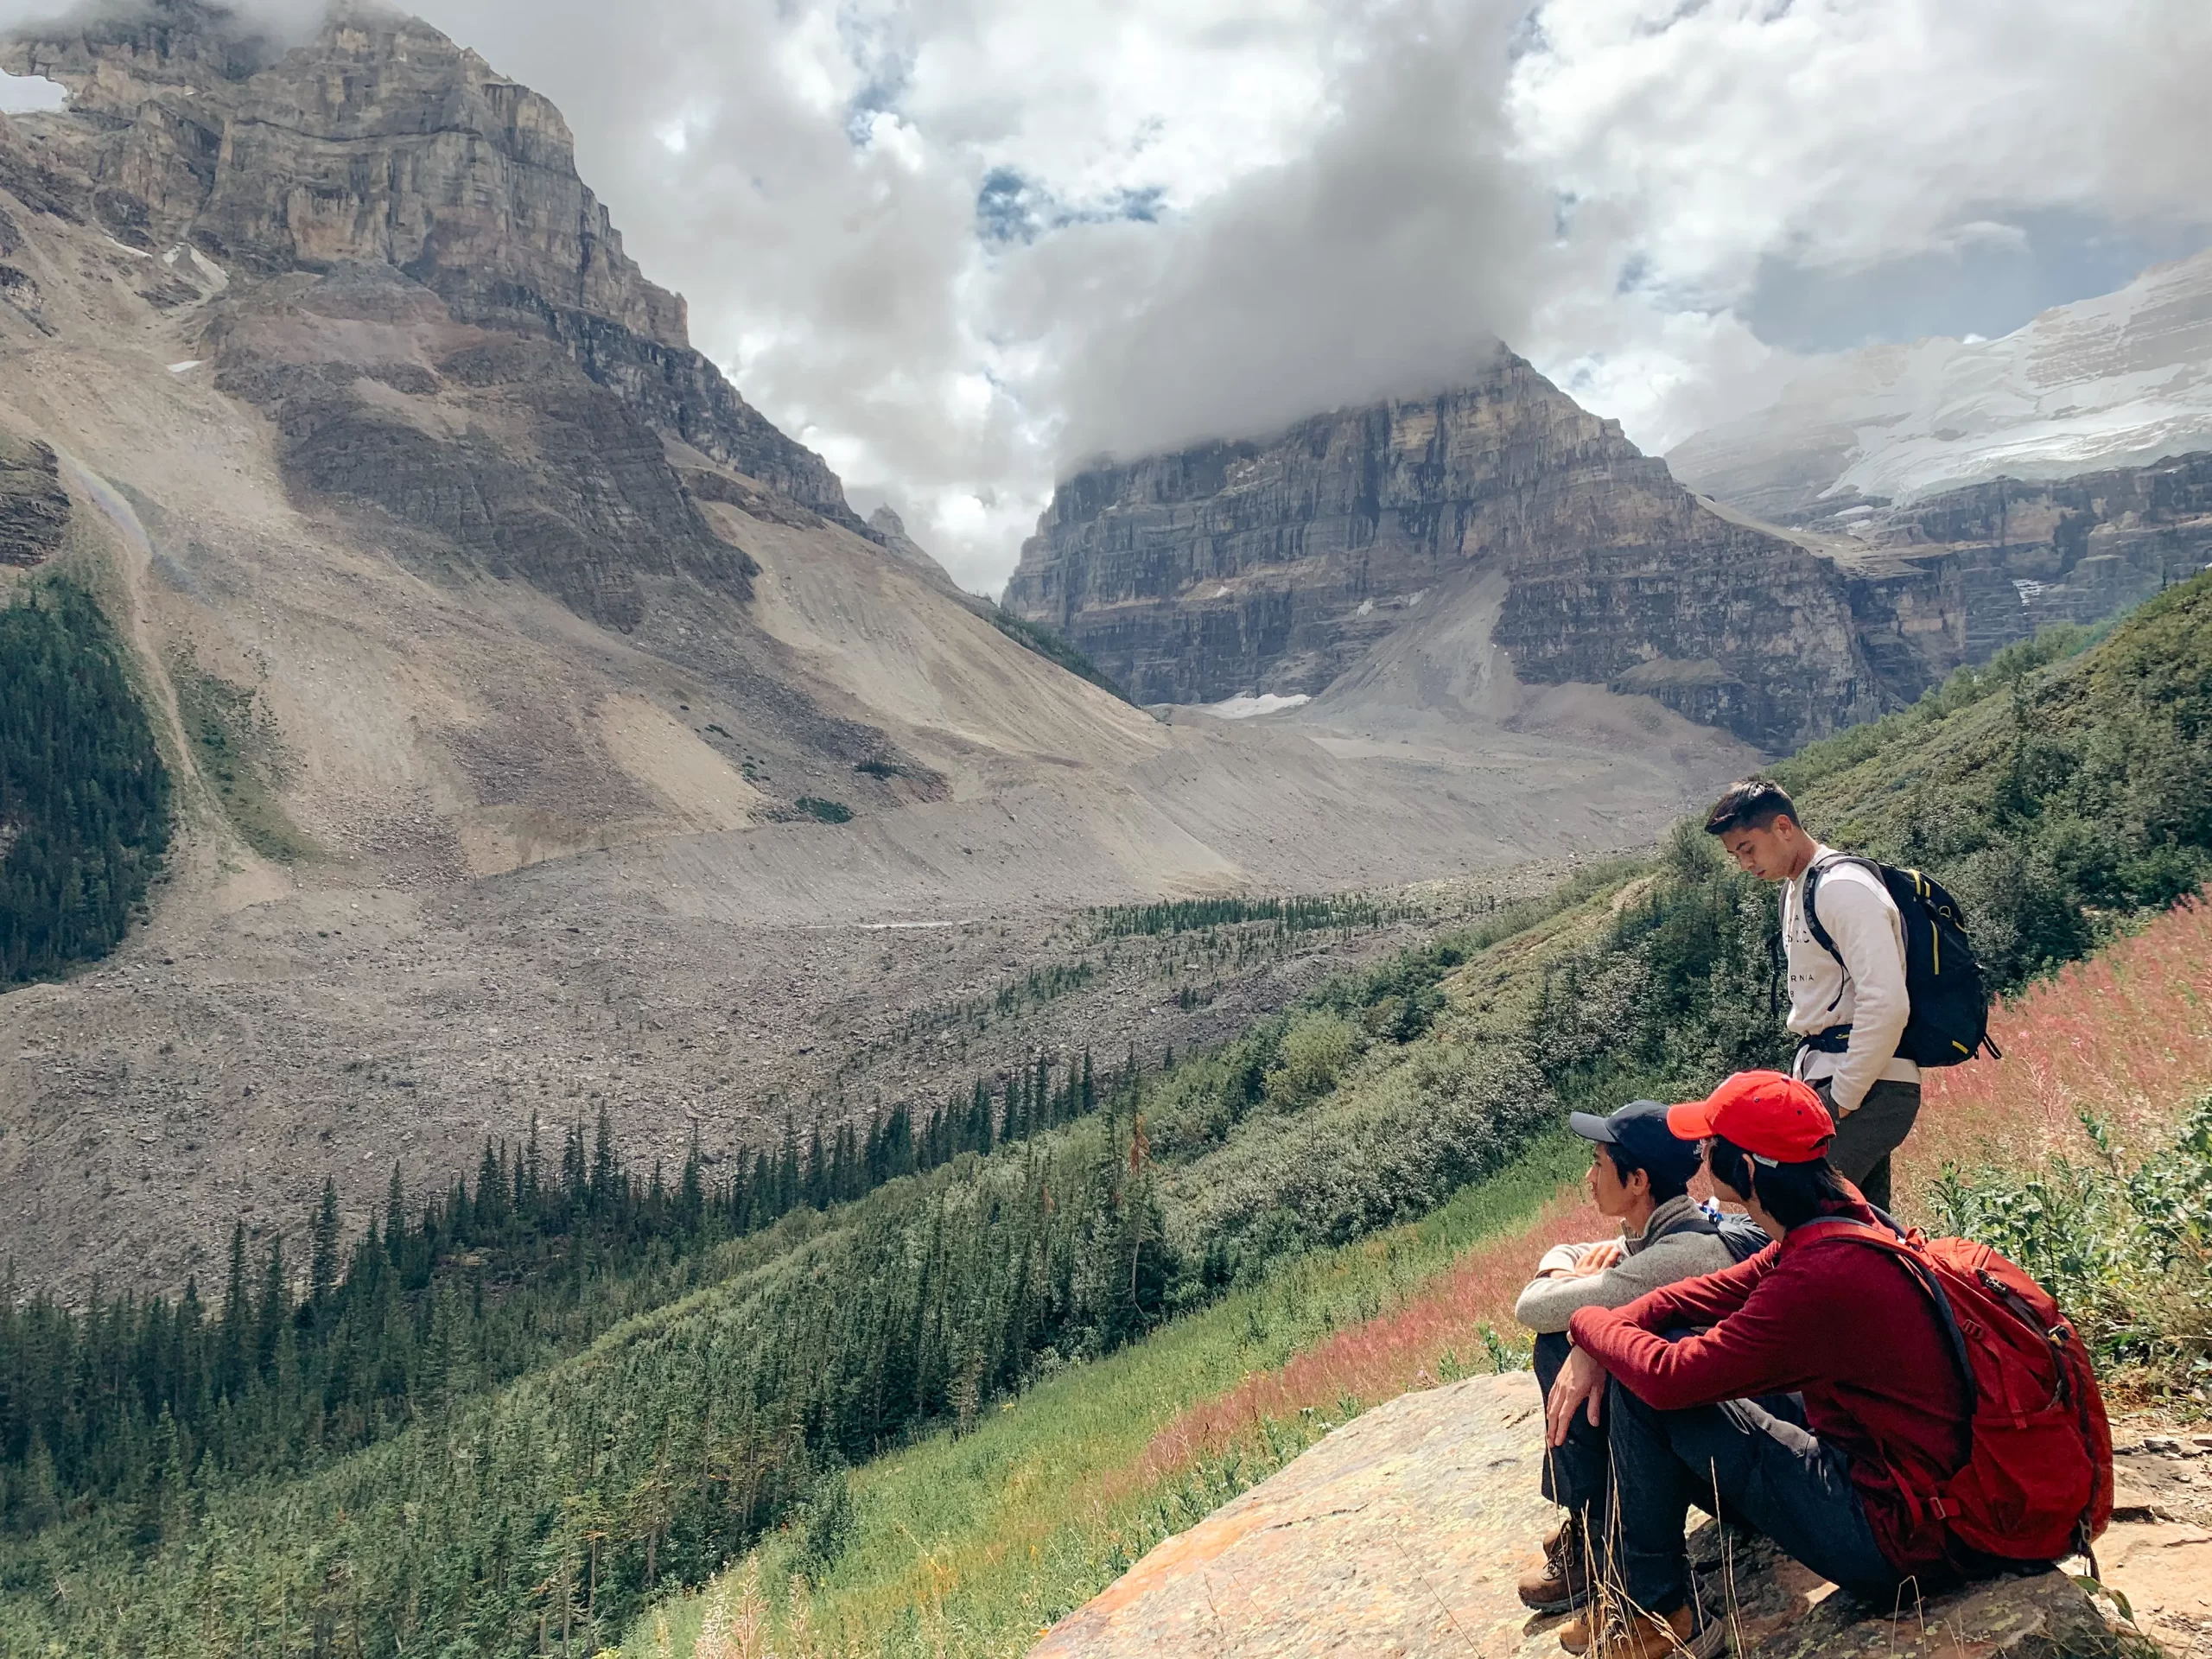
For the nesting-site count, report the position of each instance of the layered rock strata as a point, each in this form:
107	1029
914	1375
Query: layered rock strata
1279	566
1274	565
496	445
383	143
1956	577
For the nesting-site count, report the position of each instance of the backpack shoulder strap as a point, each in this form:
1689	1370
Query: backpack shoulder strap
1858	1232
1693	1220
1811	884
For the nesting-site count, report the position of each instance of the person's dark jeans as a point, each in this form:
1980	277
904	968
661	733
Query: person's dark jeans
1865	1138
1763	1470
1576	1472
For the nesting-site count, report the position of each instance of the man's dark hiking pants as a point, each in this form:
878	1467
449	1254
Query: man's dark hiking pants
1770	1473
1865	1138
1577	1472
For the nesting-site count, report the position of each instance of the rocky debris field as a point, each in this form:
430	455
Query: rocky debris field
155	1099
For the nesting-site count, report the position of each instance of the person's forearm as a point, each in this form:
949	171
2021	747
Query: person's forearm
1703	1300
1561	1258
1548	1304
1739	1361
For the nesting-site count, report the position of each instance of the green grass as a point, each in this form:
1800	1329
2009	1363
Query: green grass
239	756
968	1545
1033	636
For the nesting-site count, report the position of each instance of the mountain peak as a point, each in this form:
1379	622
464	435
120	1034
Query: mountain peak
2115	380
381	141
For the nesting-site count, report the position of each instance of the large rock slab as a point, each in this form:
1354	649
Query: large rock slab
1403	1533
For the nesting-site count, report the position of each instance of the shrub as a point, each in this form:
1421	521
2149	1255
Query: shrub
2125	1248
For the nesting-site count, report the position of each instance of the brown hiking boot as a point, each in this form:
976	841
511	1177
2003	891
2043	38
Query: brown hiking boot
1620	1634
1562	1583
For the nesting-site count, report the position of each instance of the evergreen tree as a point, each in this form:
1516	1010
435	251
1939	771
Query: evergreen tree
83	797
322	1266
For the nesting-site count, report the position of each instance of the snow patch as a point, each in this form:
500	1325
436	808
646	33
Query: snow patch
29	94
1246	707
2118	380
186	366
1222	592
1366	608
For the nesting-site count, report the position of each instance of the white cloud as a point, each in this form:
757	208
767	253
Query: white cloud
956	243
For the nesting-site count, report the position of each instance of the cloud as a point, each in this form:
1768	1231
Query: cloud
284	23
1389	258
1827	171
959	245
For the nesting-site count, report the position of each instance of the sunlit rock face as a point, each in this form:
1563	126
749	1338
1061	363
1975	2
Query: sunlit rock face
1274	566
382	143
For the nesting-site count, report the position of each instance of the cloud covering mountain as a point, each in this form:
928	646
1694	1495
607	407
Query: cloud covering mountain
959	245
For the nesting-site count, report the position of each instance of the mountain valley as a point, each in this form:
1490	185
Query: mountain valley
508	665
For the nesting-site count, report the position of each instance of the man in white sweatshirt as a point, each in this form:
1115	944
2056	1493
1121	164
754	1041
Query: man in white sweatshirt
1872	1093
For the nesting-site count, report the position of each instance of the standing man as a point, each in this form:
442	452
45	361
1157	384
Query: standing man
1848	1009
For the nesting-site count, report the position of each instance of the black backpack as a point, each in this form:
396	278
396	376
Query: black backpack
1740	1235
1949	1021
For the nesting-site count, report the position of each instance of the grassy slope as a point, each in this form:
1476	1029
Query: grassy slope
972	1544
988	1538
973	1573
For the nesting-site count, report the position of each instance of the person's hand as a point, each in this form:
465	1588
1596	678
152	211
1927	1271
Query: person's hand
1579	1386
1826	1090
1599	1257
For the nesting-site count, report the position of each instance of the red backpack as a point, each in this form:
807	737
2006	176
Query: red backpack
2037	1485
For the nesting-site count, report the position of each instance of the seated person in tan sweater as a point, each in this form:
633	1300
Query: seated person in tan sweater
1639	1175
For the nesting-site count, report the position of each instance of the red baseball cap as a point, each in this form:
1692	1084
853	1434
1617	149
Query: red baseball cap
1769	1115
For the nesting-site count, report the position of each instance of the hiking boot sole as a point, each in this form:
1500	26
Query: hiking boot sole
1580	1598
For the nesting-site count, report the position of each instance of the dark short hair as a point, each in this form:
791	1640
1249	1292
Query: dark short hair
1751	804
1626	1163
1792	1193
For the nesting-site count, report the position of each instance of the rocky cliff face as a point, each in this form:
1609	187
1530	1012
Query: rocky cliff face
1280	566
34	507
381	143
1958	577
1274	566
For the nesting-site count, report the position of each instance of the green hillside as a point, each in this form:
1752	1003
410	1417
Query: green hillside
2061	792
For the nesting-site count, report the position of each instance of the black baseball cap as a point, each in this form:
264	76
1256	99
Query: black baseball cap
1639	1128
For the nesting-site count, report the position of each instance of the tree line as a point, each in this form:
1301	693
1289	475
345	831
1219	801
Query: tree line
84	795
138	1399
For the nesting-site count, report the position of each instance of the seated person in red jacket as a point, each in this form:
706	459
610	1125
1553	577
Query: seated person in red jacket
1849	1328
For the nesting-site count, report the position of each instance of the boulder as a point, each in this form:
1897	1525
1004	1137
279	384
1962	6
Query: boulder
1403	1534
